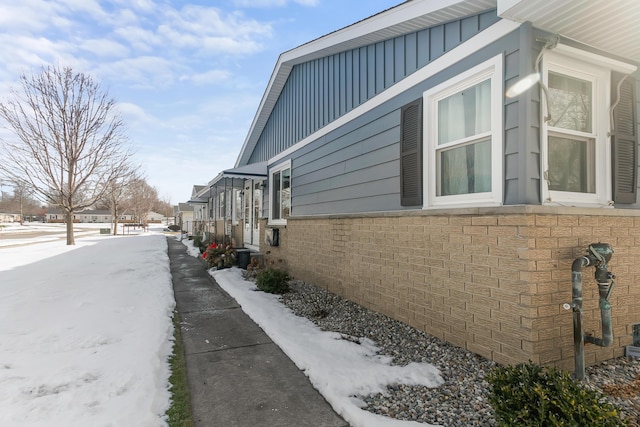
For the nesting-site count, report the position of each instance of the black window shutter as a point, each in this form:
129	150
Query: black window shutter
624	141
411	154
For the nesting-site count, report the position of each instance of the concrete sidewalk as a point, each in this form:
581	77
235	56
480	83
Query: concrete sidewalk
237	375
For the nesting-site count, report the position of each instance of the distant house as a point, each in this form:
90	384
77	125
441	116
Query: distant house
199	203
87	216
98	215
228	209
9	217
183	213
92	216
155	217
396	163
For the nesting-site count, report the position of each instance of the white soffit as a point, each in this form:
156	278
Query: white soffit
407	17
610	25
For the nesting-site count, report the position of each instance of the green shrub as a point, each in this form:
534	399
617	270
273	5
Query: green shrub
197	243
273	281
528	395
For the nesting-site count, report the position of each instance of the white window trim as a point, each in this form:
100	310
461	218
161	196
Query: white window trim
590	70
279	168
490	69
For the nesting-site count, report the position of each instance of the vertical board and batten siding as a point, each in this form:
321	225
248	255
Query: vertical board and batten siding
356	168
319	91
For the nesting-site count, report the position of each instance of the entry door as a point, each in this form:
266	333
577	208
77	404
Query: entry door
252	210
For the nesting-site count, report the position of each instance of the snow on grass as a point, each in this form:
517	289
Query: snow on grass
85	332
85	336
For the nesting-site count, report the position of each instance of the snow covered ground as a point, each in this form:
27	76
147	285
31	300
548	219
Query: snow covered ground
12	234
339	369
86	332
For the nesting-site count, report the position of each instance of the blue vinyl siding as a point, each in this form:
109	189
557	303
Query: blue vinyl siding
319	91
353	171
356	168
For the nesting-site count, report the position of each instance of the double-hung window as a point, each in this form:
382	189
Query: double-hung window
589	131
463	133
221	205
280	194
576	158
236	215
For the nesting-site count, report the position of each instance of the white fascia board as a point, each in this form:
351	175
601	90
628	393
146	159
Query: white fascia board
395	16
280	71
199	193
477	42
342	39
213	182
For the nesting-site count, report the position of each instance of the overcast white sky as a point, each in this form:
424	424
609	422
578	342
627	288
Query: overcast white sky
187	75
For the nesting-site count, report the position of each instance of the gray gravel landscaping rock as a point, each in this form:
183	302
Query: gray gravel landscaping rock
463	399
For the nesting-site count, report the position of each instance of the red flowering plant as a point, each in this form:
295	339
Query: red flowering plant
219	256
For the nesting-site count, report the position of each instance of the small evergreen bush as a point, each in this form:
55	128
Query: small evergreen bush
528	395
197	242
273	281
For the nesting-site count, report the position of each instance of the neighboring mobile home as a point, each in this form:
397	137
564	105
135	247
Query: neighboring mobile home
9	217
387	164
92	215
229	208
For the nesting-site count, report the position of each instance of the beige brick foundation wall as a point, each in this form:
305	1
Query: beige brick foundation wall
492	281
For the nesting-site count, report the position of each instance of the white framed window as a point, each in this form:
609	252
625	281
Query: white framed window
280	193
221	205
463	138
237	206
228	206
576	154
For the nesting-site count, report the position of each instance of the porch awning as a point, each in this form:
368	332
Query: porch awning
197	201
251	171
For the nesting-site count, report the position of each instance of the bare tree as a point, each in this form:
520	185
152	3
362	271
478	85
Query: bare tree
116	196
21	194
70	143
142	199
164	207
19	202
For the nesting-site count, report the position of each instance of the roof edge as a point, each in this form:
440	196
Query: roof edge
404	18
